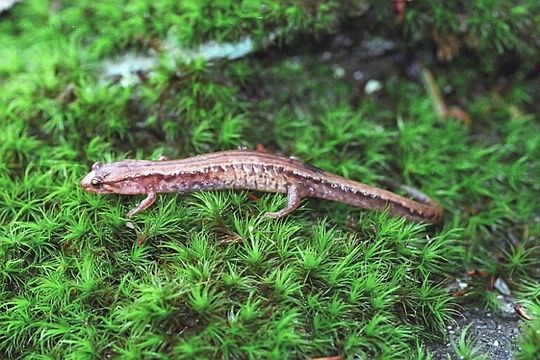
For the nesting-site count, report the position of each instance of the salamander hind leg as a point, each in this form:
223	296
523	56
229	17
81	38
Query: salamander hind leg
293	201
145	204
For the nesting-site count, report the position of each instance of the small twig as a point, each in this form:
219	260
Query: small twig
434	92
441	109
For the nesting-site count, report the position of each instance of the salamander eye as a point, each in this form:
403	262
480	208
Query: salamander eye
96	183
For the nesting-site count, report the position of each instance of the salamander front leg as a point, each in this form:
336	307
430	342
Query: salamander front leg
145	204
293	201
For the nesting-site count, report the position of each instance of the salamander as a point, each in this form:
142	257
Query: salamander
251	170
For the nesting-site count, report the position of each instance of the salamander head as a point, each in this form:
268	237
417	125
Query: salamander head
115	178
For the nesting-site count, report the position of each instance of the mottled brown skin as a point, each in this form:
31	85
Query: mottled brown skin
252	170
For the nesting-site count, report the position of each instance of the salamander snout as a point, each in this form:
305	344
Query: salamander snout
92	183
114	178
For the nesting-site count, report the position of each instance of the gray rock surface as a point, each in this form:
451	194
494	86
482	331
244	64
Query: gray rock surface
496	336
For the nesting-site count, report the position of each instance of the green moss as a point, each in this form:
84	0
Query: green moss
213	277
488	25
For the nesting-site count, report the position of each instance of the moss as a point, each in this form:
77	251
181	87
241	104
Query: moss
213	278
